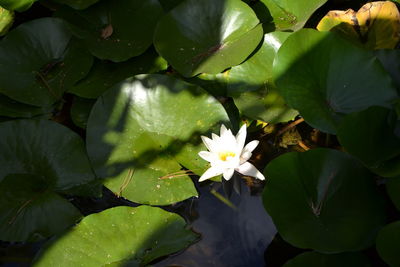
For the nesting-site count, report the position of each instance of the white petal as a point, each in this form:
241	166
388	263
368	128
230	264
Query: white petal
245	156
208	142
211	172
223	130
249	170
206	155
251	146
214	137
228	173
241	137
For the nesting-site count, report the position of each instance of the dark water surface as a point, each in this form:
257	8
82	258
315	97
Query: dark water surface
230	236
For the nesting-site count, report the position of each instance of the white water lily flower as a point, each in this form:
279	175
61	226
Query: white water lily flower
228	154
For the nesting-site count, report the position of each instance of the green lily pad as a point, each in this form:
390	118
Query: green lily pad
324	200
80	110
14	109
77	4
369	135
193	44
250	84
18	5
6	20
169	4
388	242
324	76
105	73
142	129
31	211
39	61
315	259
393	189
115	30
44	149
287	14
119	235
390	59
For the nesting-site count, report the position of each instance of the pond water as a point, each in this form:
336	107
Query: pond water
231	236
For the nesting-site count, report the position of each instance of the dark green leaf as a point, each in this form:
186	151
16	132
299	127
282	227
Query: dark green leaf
115	30
323	199
315	259
80	110
369	135
251	84
388	243
77	4
121	236
105	74
207	35
139	132
44	149
39	61
393	189
14	109
324	76
31	211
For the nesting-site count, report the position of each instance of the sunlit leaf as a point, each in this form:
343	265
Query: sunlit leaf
18	5
121	236
6	20
287	14
376	24
115	30
137	141
193	45
324	200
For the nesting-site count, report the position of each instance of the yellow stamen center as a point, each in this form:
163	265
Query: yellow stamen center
225	155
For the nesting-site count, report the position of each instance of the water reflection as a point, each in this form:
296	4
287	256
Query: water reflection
230	237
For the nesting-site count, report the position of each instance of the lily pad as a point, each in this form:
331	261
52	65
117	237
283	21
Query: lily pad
44	62
324	200
390	59
14	109
18	5
393	189
142	129
376	24
193	44
80	110
77	4
287	14
251	86
119	235
369	135
30	210
311	70
6	20
315	259
115	30
44	149
105	73
388	242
